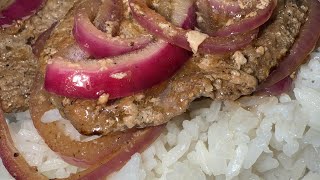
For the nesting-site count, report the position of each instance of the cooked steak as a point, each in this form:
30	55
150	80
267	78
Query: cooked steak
18	65
222	77
5	3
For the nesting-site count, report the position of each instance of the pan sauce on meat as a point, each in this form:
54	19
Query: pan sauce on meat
218	77
18	65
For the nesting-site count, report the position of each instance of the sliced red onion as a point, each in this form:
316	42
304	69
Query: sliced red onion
118	77
97	43
304	44
225	6
110	11
283	86
73	52
158	26
19	10
113	163
227	44
85	153
38	46
248	23
181	9
207	22
16	165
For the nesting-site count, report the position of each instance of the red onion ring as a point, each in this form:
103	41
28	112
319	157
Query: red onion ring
158	26
97	43
207	18
109	11
224	6
19	10
20	169
16	165
179	11
73	52
249	23
283	86
109	165
38	46
118	77
304	44
79	153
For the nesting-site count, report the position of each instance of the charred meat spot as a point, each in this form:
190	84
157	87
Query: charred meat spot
30	40
22	28
8	48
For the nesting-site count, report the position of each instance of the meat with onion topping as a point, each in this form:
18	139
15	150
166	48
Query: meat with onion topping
218	76
123	73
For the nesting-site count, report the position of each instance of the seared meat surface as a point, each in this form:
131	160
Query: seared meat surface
18	65
5	3
216	76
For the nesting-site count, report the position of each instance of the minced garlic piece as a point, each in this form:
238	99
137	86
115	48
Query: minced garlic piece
229	22
239	58
103	99
252	14
120	75
260	50
245	4
195	38
263	4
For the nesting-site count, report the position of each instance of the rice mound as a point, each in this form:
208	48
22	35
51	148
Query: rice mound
252	138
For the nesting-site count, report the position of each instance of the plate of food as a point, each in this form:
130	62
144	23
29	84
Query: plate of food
160	89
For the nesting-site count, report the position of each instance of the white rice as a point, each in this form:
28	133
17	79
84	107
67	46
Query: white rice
253	138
